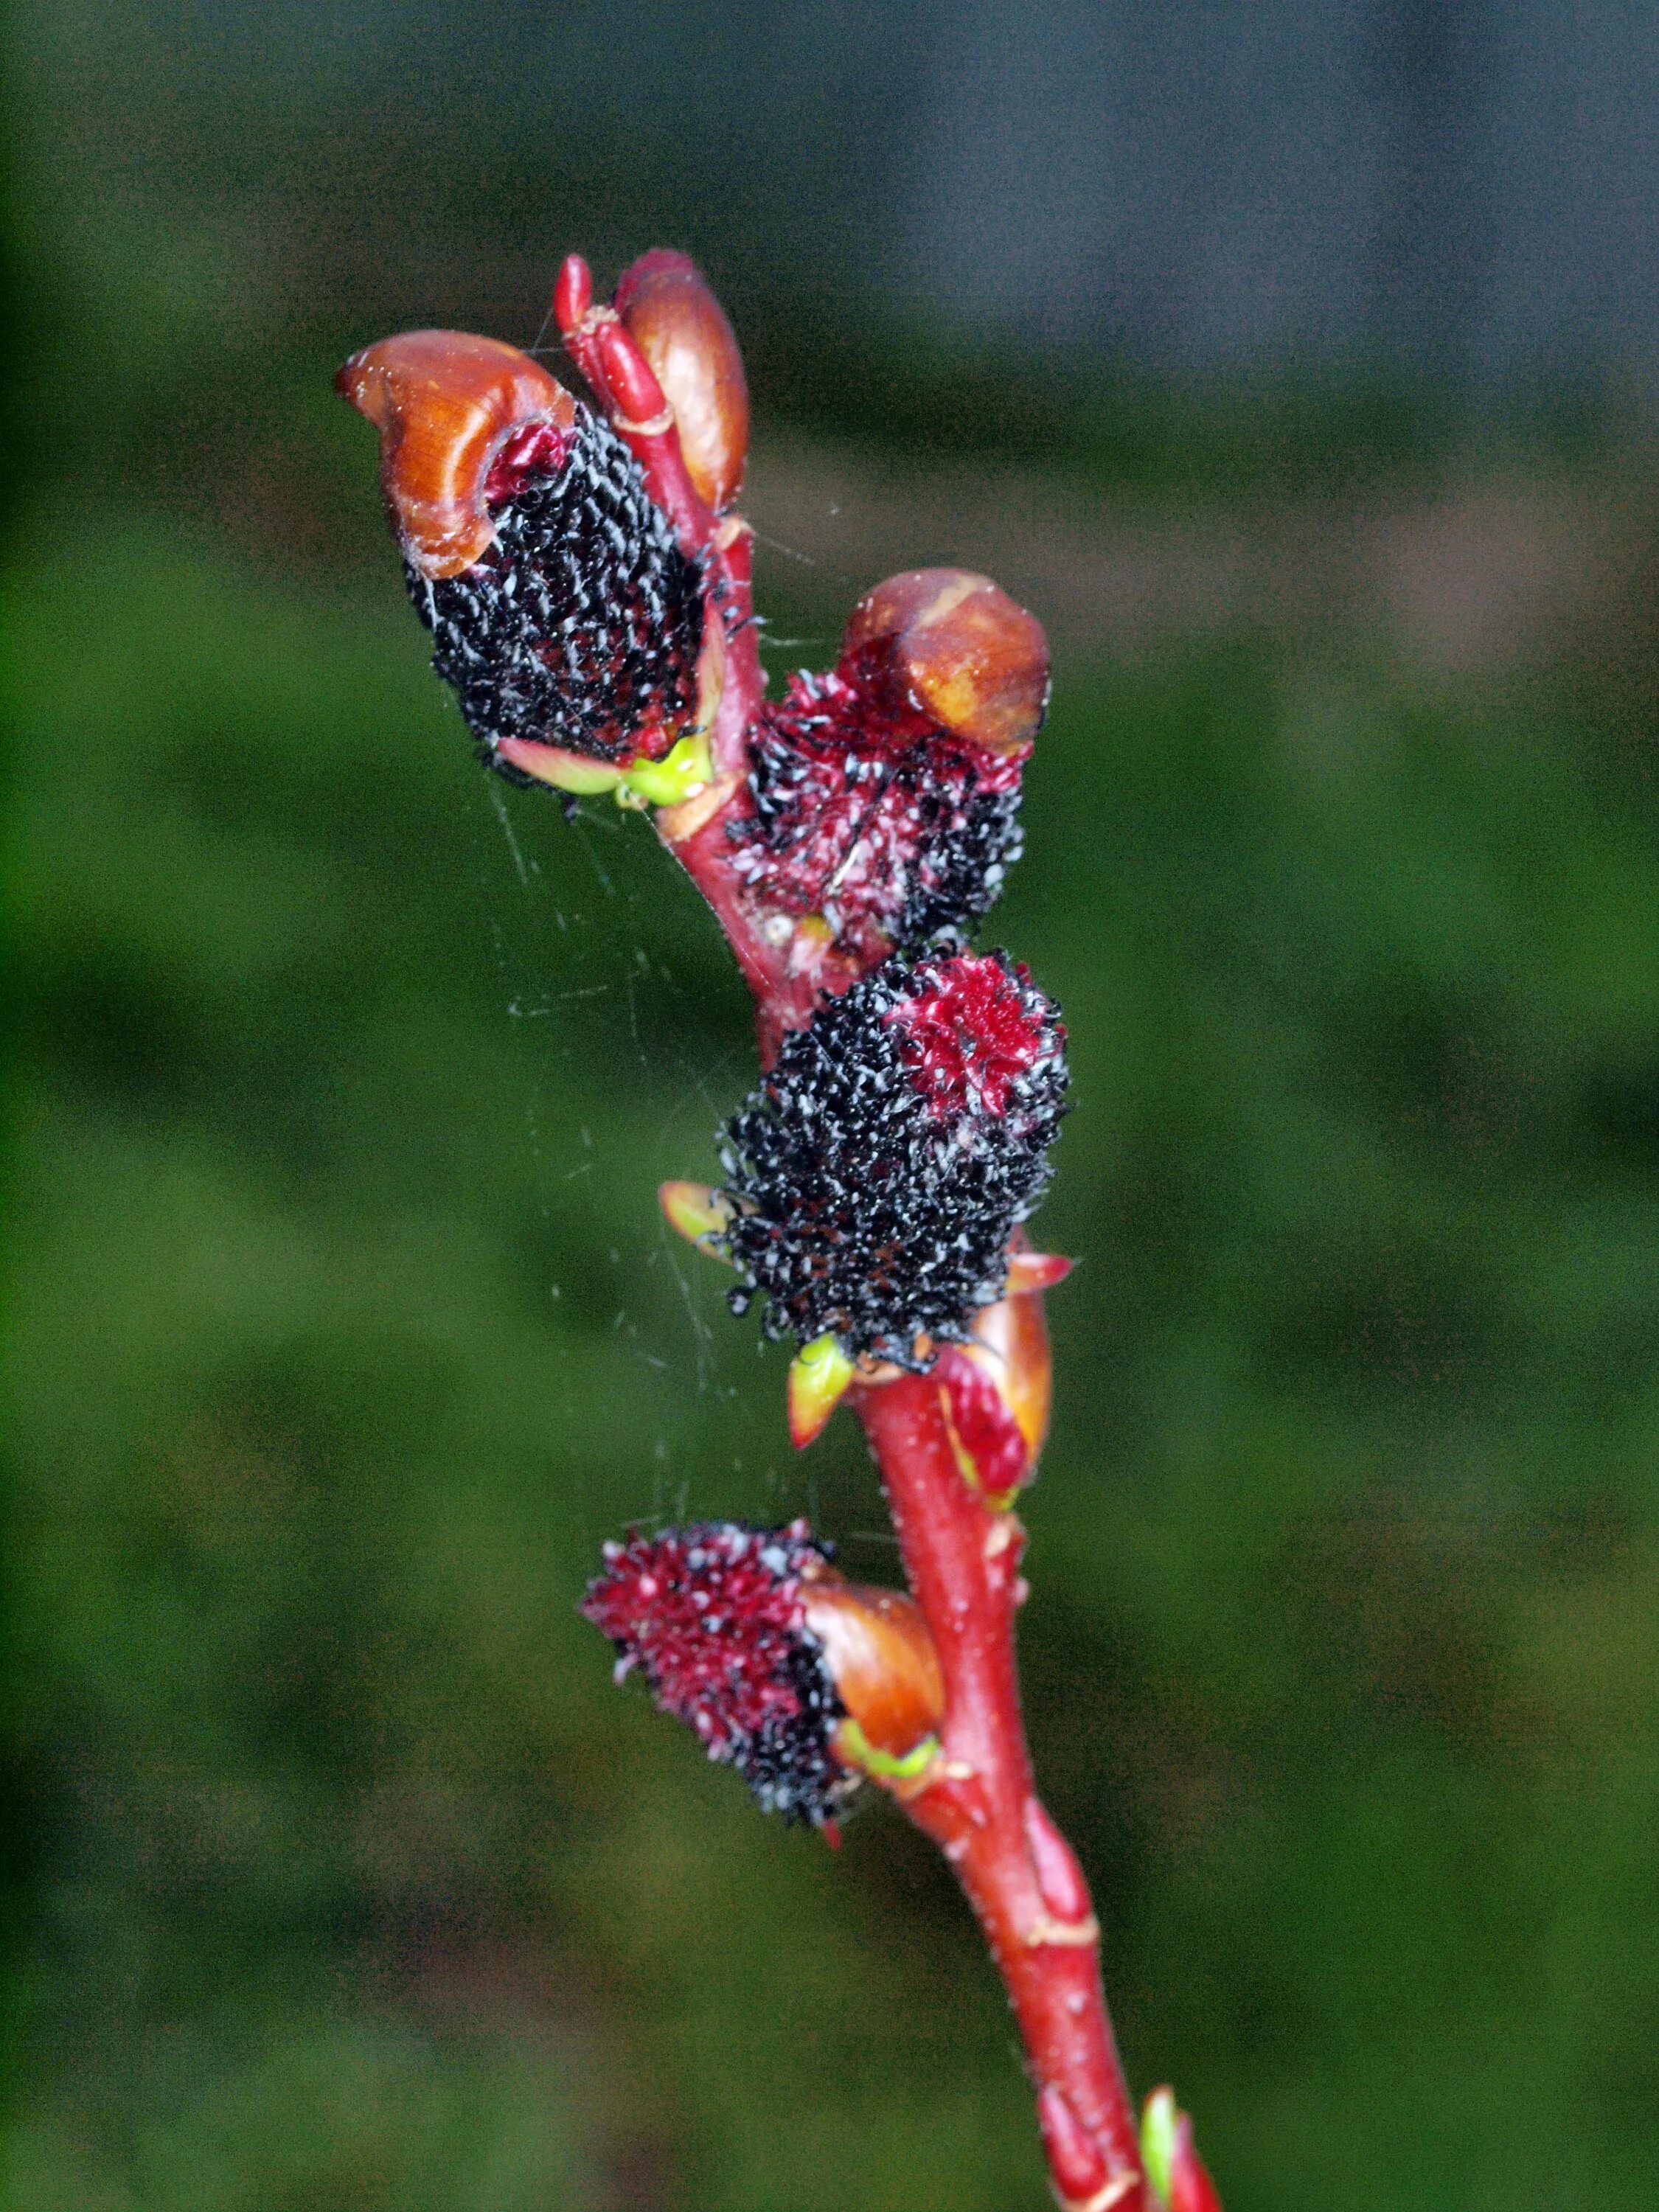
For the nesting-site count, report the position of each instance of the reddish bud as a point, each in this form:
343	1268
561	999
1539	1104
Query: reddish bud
1059	1875
881	1655
1177	2173
445	403
1076	2161
997	1386
868	813
667	307
1191	2189
990	1444
959	649
573	294
1036	1271
1010	1343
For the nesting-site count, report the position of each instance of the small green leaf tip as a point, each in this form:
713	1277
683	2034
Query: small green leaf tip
695	1211
856	1748
818	1376
680	775
1158	2143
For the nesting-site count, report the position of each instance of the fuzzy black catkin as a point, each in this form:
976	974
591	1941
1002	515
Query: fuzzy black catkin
874	1195
581	624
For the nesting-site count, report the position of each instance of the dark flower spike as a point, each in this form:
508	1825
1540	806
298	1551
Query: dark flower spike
564	611
876	1176
590	590
885	796
995	1386
800	1679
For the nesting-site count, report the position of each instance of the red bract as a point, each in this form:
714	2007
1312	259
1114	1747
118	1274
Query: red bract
1191	2189
539	449
868	813
989	1442
1176	2174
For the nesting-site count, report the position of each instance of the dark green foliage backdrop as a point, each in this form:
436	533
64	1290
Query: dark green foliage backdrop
345	1331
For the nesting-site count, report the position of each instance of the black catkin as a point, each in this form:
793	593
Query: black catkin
581	624
874	1184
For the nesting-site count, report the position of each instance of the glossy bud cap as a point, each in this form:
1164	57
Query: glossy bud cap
881	1658
444	404
668	310
960	650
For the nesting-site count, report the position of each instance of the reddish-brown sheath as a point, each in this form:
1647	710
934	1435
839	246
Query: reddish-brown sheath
445	403
961	650
881	1655
680	327
1011	1343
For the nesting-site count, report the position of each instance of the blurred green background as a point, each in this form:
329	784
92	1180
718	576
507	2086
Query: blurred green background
343	1330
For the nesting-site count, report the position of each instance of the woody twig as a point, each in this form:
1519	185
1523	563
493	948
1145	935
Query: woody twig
586	582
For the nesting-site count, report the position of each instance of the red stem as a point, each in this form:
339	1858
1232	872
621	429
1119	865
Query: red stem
978	1803
961	1557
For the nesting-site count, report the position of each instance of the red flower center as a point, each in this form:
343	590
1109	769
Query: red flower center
535	449
970	1036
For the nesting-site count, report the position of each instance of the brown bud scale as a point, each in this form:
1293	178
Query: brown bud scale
958	648
444	404
669	311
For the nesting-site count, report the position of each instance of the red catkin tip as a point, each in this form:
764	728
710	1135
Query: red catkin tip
713	1615
970	1037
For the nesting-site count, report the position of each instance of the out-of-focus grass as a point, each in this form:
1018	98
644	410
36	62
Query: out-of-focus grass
345	1330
